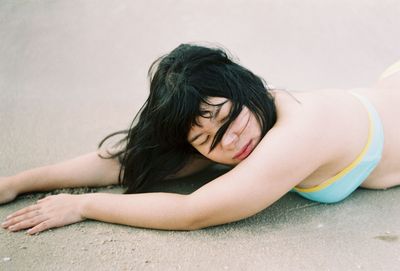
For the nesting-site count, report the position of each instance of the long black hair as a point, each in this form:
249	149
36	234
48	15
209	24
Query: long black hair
156	145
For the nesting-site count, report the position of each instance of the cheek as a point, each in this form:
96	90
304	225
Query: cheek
255	127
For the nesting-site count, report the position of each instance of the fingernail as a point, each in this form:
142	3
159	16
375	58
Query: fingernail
8	216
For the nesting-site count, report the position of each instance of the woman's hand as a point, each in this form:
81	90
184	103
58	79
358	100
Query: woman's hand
50	212
7	191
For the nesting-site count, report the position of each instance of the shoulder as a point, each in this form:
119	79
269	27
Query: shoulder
291	151
301	135
305	112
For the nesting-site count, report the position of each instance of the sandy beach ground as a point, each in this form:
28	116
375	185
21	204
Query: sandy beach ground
72	72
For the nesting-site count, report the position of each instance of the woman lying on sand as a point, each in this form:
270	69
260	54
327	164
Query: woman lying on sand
203	108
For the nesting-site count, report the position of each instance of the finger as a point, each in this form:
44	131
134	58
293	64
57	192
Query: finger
40	227
27	223
23	211
15	220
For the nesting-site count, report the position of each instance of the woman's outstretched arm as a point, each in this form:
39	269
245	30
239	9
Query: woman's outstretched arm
85	170
280	161
149	210
90	170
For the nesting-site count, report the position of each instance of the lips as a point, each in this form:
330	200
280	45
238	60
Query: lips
244	152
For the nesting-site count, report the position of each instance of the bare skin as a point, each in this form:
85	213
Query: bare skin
252	185
7	192
351	117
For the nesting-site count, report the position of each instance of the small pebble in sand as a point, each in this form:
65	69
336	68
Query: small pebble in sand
84	249
6	259
24	247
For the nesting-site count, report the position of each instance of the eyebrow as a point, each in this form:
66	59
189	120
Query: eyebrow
215	115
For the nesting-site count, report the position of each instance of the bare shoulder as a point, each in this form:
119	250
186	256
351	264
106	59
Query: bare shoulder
297	145
286	155
292	150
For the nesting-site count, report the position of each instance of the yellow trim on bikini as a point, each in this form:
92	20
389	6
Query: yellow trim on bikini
347	169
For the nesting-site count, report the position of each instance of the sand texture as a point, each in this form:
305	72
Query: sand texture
72	72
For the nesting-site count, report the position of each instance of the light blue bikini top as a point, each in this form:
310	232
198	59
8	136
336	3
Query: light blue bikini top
346	181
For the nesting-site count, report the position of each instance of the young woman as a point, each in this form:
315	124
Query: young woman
203	108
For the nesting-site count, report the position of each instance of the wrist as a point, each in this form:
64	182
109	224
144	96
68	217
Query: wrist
14	183
8	191
83	203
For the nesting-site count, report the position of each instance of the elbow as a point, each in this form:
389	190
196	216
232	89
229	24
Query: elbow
196	222
191	222
194	227
202	223
198	217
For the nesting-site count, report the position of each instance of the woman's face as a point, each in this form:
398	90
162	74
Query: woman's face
239	140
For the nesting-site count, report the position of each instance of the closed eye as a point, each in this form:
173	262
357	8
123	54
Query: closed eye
214	115
222	121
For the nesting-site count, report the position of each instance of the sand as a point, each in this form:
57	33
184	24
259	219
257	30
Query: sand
72	72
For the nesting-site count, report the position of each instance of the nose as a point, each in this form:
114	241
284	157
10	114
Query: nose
229	140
